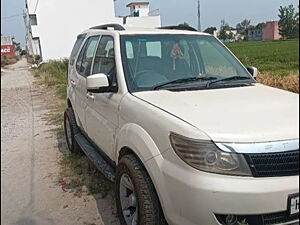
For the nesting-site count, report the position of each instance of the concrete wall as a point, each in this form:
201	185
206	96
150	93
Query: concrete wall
143	22
59	22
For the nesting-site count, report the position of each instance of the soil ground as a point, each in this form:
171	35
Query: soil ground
30	153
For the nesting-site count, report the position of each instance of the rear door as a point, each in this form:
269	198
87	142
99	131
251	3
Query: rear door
72	76
83	70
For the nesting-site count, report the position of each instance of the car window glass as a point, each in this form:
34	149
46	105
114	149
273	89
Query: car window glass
76	48
80	57
88	56
214	61
105	60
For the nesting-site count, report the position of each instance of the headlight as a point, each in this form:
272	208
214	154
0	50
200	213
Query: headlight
206	156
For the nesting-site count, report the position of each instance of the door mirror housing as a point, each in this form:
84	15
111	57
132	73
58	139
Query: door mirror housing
96	81
253	71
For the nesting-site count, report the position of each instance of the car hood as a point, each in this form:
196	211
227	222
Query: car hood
256	113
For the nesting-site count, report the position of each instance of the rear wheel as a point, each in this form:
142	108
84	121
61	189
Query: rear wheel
136	198
71	129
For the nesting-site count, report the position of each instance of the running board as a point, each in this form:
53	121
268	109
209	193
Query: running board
98	160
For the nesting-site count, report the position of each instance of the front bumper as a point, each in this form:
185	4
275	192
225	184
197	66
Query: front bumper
192	197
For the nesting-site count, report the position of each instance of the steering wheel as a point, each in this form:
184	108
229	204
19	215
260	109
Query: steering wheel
149	78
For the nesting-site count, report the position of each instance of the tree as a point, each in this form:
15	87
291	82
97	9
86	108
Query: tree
288	21
224	25
242	26
210	30
260	26
224	28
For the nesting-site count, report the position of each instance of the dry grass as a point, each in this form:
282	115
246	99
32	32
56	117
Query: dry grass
289	82
80	175
77	174
8	60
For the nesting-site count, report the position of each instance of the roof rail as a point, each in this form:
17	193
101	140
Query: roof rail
178	27
106	26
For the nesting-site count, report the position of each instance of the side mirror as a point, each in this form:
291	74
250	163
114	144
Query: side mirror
253	71
96	81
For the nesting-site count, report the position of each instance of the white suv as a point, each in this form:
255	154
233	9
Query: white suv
182	128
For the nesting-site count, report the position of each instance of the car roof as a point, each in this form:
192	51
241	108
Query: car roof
137	31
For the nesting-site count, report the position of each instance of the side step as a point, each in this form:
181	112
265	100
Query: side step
102	165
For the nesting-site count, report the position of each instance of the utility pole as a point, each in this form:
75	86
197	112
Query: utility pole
199	18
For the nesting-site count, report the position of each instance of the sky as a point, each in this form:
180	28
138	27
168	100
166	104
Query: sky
172	12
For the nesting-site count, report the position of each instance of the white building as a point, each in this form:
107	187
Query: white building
7	40
55	24
139	8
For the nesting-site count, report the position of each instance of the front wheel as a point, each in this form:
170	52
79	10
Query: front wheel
136	198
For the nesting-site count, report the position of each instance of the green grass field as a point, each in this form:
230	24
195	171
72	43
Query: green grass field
272	57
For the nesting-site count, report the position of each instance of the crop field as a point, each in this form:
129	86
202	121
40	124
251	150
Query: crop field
276	57
277	61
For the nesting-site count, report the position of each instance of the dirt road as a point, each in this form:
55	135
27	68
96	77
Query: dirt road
30	192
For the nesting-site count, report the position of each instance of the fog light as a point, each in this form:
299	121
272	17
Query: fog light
231	220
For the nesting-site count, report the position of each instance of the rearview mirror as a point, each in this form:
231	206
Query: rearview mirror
253	71
96	81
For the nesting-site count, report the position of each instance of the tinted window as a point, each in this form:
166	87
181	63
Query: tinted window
76	48
105	59
85	58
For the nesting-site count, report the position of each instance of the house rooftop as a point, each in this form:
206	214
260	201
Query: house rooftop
137	3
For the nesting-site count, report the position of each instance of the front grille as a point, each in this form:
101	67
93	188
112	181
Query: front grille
277	218
274	164
263	219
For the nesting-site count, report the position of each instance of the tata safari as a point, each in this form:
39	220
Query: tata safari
182	128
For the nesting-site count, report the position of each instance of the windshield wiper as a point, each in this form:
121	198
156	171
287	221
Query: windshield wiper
183	80
226	79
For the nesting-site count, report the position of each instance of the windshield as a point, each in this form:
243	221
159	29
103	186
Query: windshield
165	61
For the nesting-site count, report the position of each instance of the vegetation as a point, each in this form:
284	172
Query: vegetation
225	31
277	61
243	26
54	75
77	174
275	57
210	30
8	60
288	22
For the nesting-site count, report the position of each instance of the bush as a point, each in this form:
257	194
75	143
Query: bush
289	83
8	60
54	73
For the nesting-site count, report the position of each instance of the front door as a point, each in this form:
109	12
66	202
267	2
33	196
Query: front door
83	70
102	109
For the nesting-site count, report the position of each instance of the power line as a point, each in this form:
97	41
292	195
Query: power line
8	17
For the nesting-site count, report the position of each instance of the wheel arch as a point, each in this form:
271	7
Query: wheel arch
132	138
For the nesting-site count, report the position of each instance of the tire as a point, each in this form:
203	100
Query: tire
148	205
70	121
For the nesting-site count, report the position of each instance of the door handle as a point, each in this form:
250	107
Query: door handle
90	96
73	83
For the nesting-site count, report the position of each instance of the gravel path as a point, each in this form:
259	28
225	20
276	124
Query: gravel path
30	193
